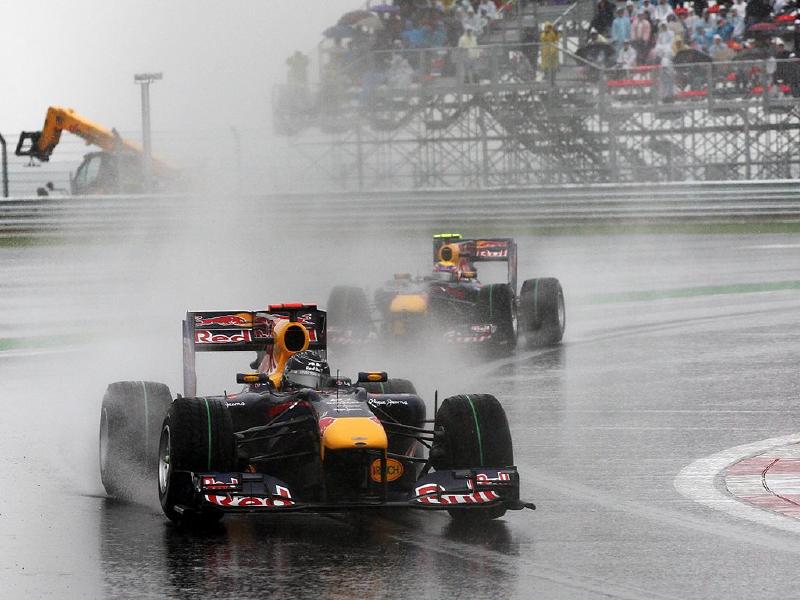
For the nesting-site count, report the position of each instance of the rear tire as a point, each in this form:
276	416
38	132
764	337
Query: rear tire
348	310
474	433
197	436
541	312
130	421
393	386
496	306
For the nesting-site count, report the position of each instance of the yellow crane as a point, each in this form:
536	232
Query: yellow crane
117	168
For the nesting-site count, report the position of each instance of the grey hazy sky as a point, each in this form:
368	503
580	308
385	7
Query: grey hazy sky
219	58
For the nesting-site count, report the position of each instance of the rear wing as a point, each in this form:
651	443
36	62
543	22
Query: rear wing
244	331
482	250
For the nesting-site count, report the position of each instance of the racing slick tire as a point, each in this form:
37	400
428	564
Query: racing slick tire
392	386
197	435
474	433
130	425
541	312
348	309
496	306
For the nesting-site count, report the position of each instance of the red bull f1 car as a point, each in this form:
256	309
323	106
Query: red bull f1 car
296	438
453	303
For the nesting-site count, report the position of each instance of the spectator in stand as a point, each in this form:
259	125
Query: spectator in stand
549	51
472	21
490	9
737	21
740	6
690	21
719	51
645	6
603	17
469	55
620	30
662	11
666	77
698	41
724	29
641	32
676	26
630	11
778	6
298	69
664	41
627	56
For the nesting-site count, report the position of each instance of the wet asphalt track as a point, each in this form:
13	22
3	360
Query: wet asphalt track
672	353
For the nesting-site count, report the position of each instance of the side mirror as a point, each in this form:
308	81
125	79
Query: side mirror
254	377
372	376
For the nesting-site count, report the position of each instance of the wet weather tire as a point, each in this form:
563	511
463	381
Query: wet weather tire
348	310
393	386
130	424
197	436
542	314
472	432
496	306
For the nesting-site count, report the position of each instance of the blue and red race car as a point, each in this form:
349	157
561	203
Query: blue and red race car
296	438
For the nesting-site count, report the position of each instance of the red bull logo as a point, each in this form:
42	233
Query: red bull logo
234	320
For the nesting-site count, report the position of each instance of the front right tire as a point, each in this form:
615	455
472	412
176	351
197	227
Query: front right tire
196	436
472	432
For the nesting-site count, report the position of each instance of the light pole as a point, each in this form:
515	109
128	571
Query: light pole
144	80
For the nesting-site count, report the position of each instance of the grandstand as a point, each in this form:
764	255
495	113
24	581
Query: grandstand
382	114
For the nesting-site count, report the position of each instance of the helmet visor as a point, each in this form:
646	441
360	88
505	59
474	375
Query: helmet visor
307	379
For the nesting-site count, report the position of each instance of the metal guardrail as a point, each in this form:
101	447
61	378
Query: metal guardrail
545	206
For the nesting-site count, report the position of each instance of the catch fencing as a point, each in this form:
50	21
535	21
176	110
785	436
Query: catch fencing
544	206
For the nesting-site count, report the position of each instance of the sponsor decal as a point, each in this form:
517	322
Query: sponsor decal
431	493
386	402
394	470
235	320
485	253
484	479
324	423
284	499
229	404
211	484
204	336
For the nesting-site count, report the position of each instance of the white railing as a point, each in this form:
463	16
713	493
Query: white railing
545	206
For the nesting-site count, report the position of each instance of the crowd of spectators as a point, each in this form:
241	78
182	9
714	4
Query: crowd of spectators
658	29
405	41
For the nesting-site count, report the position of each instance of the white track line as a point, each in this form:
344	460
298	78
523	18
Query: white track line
698	483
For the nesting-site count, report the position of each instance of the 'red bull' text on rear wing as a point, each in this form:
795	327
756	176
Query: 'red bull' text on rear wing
481	250
247	331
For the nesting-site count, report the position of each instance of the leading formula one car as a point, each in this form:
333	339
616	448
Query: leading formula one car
297	439
453	303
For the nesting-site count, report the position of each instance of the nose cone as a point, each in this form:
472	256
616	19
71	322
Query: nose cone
355	433
409	303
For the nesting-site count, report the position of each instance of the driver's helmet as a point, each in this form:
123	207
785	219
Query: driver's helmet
306	370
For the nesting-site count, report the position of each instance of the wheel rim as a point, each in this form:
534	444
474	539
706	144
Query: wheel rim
103	440
561	312
164	461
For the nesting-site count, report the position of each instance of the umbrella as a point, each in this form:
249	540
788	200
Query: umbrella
339	31
384	8
371	22
353	17
762	27
690	56
600	53
751	54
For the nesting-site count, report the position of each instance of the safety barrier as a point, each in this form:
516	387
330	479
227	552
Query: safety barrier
545	206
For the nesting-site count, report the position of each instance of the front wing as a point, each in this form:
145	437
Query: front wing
441	490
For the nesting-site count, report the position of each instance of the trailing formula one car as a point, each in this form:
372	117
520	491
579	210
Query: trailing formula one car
453	303
297	439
